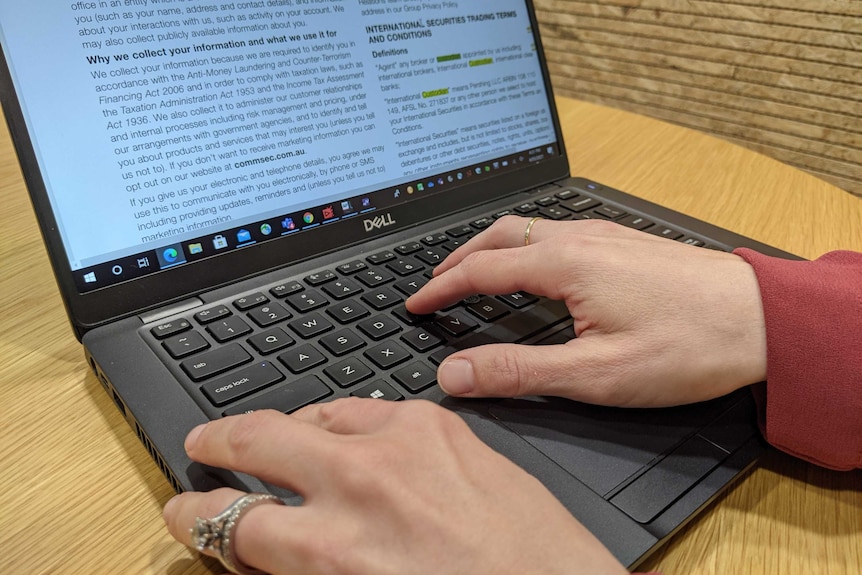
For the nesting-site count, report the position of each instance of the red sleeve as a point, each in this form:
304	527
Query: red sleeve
811	406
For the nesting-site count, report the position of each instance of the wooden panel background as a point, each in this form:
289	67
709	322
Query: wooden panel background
781	77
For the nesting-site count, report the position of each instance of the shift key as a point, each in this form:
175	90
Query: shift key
241	383
286	398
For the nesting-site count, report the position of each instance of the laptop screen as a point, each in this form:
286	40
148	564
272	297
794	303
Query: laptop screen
172	131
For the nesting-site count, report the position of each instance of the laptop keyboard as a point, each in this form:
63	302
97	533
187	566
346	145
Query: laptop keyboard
346	331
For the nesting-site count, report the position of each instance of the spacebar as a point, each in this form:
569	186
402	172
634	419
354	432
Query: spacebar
514	328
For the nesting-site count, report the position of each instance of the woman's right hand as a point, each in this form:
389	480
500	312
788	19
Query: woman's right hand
658	323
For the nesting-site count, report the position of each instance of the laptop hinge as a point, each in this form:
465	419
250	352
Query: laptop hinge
163	312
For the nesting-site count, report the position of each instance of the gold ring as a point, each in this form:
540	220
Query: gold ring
529	229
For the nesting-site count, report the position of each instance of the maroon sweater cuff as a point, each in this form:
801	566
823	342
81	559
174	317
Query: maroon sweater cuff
811	406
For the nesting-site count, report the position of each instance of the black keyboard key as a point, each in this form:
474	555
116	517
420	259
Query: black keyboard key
210	315
184	344
214	362
307	301
441	354
247	302
387	354
416	376
374	278
581	204
456	323
170	328
411	285
453	245
342	342
320	278
286	289
227	329
302	358
378	390
518	300
285	398
410	318
431	256
546	201
310	325
610	212
555	213
379	327
636	222
347	311
459	231
226	389
482	223
342	288
353	267
487	309
527	208
381	298
422	339
404	267
271	341
665	232
266	315
566	195
434	239
380	258
408	248
348	372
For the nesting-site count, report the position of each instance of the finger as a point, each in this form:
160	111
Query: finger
182	510
512	232
583	370
350	415
507	232
533	268
254	536
267	444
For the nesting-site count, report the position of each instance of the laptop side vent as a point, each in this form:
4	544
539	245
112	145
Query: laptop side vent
157	458
127	415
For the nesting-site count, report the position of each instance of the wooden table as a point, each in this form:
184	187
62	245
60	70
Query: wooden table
79	494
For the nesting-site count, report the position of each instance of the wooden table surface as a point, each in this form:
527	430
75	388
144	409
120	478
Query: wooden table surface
79	493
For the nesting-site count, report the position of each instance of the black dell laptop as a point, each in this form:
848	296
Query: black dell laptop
237	198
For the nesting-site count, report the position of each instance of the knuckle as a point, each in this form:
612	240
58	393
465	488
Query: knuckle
507	222
602	226
327	413
506	372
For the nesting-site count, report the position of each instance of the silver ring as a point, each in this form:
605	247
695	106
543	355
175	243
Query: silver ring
530	229
215	534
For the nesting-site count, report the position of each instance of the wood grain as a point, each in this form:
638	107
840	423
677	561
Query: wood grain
781	78
79	493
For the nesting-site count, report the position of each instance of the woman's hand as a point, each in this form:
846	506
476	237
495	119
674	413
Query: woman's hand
389	488
658	322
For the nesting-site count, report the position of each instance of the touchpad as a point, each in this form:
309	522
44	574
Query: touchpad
602	446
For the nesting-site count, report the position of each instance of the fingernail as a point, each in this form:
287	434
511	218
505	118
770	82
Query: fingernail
456	376
193	435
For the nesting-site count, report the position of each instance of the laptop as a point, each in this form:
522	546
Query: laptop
237	198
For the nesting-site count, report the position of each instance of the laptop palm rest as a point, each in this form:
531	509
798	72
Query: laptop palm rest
642	460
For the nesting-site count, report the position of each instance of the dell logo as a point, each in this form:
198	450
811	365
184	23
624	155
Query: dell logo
379	223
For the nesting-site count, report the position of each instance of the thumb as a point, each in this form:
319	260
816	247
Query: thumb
570	370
